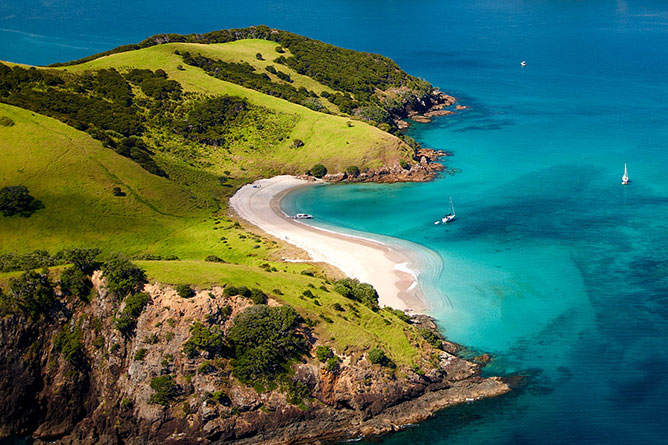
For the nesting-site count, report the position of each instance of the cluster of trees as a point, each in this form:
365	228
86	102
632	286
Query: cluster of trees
244	74
16	200
40	258
33	294
362	292
101	103
208	121
356	76
260	344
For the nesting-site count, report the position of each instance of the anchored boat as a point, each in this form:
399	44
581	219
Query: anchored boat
449	217
625	177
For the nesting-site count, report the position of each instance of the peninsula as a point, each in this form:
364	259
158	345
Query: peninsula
148	294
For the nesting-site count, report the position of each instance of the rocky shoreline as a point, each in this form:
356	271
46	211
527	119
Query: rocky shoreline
108	400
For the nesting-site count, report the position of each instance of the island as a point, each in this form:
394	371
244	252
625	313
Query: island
152	291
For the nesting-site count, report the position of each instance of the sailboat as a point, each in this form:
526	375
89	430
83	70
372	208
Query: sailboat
449	217
625	177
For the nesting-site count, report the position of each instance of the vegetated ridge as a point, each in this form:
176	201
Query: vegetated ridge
208	333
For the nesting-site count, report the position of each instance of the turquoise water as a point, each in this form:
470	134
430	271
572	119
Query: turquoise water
552	265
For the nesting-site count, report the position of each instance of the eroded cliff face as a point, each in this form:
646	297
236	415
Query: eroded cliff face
103	394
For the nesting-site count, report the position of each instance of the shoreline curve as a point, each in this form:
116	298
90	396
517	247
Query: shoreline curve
392	269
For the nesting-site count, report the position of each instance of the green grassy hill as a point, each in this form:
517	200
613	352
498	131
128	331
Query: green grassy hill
174	183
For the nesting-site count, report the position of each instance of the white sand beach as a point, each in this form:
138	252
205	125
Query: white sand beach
387	268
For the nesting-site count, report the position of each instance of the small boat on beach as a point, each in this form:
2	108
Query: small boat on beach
302	216
449	217
625	176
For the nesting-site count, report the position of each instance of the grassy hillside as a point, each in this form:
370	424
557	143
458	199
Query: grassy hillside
115	129
327	139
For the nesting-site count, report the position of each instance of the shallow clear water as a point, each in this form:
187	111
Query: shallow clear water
552	265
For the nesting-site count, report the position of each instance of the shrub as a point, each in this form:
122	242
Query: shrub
401	315
118	192
265	339
308	294
16	200
362	292
82	259
185	291
318	170
70	345
338	307
297	143
353	171
405	165
221	397
123	277
164	389
74	282
332	364
257	296
230	291
431	337
323	353
140	354
207	339
30	293
280	50
134	306
271	69
213	259
377	357
6	122
206	368
258	56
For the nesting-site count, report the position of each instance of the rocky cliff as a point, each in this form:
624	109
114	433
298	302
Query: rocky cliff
75	378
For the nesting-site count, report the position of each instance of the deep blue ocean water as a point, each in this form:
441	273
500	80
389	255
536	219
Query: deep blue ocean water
552	265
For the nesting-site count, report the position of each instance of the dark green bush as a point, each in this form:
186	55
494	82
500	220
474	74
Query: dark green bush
323	353
213	259
6	122
353	171
134	306
82	259
431	337
30	293
164	389
230	291
205	338
69	342
265	339
122	276
401	315
258	56
140	355
318	170
185	291
16	200
362	292
332	364
338	307
271	69
377	357
404	164
75	282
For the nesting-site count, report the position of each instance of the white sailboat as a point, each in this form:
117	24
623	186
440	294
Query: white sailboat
449	217
625	177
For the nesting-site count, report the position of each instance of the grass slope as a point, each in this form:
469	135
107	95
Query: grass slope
328	139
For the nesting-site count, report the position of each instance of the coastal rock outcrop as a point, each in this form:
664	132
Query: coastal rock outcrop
105	395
